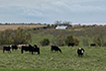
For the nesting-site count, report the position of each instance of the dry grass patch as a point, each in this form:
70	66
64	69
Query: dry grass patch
13	27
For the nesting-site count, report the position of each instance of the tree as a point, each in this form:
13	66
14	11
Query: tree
98	40
69	39
18	36
76	41
58	40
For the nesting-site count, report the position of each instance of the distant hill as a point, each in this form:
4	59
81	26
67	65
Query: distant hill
77	31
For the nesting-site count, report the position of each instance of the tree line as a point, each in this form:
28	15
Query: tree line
18	36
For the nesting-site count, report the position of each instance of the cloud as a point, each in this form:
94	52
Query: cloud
51	10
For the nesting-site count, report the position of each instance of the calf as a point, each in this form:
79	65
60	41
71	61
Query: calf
6	48
71	44
55	48
80	52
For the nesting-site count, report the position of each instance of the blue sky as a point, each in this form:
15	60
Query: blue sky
48	11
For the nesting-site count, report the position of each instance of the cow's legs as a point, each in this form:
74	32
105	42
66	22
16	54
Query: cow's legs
32	52
38	52
22	51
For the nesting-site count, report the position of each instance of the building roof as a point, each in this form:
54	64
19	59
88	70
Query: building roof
61	27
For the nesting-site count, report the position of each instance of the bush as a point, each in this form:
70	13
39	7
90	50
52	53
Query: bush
44	42
99	40
69	39
18	36
76	41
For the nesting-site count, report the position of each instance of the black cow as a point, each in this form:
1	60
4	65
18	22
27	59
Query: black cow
92	44
36	49
71	44
80	52
30	49
6	48
14	47
55	48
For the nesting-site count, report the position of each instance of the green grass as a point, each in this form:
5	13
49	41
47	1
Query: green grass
36	38
33	69
94	59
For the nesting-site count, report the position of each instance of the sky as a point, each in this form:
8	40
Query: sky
49	11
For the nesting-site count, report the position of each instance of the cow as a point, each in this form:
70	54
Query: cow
6	48
20	45
14	47
30	49
55	48
80	52
71	44
92	44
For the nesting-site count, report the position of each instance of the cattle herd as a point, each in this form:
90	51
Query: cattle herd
35	48
22	47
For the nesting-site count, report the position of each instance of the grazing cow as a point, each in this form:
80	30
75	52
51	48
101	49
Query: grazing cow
71	44
55	48
6	48
14	47
80	52
30	49
92	44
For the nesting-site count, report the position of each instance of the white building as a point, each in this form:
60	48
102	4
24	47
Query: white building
61	27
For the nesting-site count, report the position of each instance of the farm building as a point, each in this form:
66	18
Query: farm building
61	27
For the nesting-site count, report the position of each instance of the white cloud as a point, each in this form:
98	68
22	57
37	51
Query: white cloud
51	10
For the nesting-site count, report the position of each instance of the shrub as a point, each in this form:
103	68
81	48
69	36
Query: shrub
18	36
76	41
98	40
44	42
69	39
58	40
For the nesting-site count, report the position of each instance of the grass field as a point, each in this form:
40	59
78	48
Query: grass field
33	69
94	59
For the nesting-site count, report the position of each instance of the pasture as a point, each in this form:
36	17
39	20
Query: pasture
94	59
